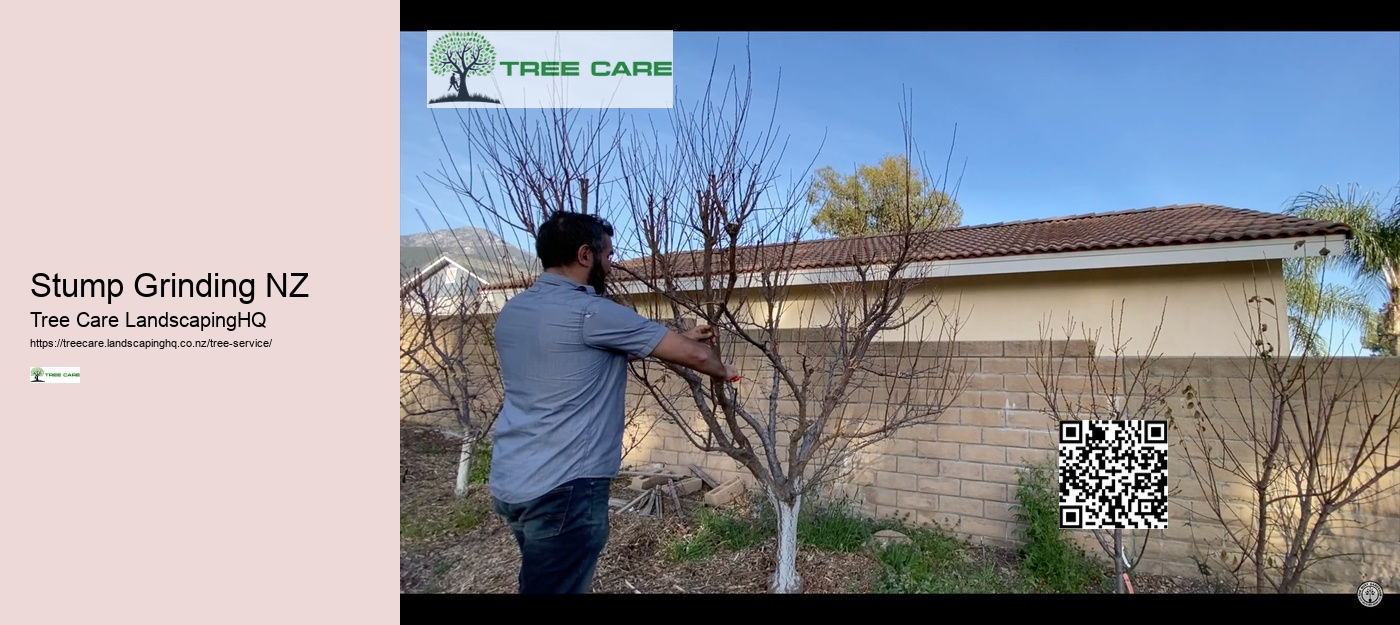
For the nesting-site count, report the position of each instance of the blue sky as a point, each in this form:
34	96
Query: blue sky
1048	123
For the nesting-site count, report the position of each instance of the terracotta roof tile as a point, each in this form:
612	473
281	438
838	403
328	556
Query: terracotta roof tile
1150	227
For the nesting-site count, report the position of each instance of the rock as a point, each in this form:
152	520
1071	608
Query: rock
884	538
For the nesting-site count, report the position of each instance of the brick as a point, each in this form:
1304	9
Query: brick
1005	365
938	451
960	470
678	444
902	447
887	512
940	485
959	434
862	476
962	506
917	501
689	485
967	399
985	382
918	466
941	519
1006	400
920	432
999	511
1030	456
986	491
1027	383
880	496
983	528
999	473
980	348
665	456
726	493
879	462
982	417
1005	437
1029	349
1029	420
1043	439
983	453
897	481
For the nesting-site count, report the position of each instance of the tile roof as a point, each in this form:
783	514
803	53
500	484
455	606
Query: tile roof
1149	227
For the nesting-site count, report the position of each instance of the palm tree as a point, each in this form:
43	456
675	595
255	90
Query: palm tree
1373	254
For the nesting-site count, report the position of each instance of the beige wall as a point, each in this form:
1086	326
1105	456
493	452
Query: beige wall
960	471
1205	306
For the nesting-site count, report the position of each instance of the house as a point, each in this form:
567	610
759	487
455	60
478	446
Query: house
1190	268
446	279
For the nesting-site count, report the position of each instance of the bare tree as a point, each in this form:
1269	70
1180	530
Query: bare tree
722	244
448	361
508	171
715	245
1307	439
1115	386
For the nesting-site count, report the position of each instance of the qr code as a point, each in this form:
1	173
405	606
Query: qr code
1113	474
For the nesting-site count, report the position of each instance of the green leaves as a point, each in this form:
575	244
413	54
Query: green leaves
462	52
879	199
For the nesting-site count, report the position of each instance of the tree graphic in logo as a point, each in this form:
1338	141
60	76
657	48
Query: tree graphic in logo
36	372
459	55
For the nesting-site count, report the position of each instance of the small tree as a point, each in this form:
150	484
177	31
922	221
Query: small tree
1114	386
1373	253
1307	438
448	362
721	244
508	173
882	198
703	207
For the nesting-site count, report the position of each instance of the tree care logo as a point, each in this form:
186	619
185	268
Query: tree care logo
549	69
461	55
59	375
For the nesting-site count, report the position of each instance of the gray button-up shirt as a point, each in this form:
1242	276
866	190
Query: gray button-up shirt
563	357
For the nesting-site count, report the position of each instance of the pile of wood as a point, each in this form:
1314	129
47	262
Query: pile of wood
661	491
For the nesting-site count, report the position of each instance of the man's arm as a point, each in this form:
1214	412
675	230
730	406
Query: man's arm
612	326
676	348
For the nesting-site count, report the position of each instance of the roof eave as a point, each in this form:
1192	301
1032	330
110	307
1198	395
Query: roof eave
1200	253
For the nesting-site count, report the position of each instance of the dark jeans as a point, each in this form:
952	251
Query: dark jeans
560	535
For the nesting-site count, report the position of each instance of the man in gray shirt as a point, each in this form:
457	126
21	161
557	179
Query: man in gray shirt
563	351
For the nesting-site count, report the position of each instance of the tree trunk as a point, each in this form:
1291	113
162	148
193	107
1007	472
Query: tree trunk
786	579
1118	559
1392	321
464	465
462	84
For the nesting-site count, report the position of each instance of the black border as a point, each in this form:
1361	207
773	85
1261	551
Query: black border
417	608
422	16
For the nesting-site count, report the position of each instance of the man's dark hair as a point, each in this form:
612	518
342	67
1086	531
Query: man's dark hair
564	232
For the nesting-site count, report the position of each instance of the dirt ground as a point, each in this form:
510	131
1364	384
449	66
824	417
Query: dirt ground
468	549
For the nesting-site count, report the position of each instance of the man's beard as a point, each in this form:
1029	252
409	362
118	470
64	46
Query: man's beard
596	279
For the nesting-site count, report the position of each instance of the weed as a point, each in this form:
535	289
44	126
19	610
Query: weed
1049	558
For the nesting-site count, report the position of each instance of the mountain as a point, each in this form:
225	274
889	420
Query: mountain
480	251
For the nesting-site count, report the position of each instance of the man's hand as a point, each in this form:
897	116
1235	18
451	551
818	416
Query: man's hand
704	334
731	373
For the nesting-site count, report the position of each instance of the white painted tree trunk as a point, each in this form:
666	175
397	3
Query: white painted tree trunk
464	465
786	579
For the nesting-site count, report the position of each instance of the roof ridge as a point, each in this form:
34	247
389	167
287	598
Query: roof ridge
1002	224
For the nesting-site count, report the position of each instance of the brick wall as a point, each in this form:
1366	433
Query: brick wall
961	470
